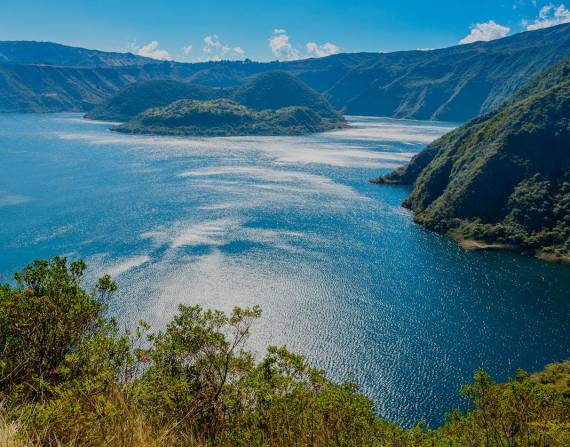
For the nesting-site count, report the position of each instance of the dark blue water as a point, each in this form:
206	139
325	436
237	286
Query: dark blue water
342	273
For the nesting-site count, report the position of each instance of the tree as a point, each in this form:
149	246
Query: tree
45	317
195	358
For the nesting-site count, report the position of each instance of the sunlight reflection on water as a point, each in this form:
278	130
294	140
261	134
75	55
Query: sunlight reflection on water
289	223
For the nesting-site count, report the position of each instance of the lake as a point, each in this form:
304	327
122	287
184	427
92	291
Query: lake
342	273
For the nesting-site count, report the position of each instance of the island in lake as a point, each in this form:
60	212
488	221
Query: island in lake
274	103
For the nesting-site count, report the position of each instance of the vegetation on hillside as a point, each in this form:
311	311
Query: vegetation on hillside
451	84
70	377
277	90
503	177
223	117
140	96
455	83
268	91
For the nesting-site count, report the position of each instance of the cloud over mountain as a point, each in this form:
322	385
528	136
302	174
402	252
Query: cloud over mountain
215	50
153	51
281	47
487	31
326	49
548	16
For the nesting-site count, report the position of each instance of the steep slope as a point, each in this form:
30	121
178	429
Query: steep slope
276	90
223	117
140	96
503	177
37	88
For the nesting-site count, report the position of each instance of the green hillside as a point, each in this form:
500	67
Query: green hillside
503	178
223	117
138	97
276	90
272	90
455	83
451	84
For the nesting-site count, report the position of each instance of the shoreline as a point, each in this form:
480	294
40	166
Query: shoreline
480	245
203	132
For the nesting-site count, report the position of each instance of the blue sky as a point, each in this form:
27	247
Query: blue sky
193	30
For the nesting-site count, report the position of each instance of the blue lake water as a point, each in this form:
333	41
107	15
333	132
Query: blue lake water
342	273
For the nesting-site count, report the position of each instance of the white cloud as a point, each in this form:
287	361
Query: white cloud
211	43
151	50
487	31
188	49
323	50
281	47
548	16
215	50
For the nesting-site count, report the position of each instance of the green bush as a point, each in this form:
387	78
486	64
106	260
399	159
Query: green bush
69	377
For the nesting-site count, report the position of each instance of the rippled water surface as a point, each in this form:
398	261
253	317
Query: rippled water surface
340	270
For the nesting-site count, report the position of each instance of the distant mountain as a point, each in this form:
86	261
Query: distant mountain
137	97
453	84
503	177
223	117
36	88
48	53
43	88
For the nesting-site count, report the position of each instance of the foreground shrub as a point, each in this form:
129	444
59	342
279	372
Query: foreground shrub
69	377
44	319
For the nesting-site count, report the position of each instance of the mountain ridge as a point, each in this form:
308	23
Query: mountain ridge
14	52
454	83
460	78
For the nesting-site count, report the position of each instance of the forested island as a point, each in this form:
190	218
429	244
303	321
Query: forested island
274	103
223	118
502	180
70	376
